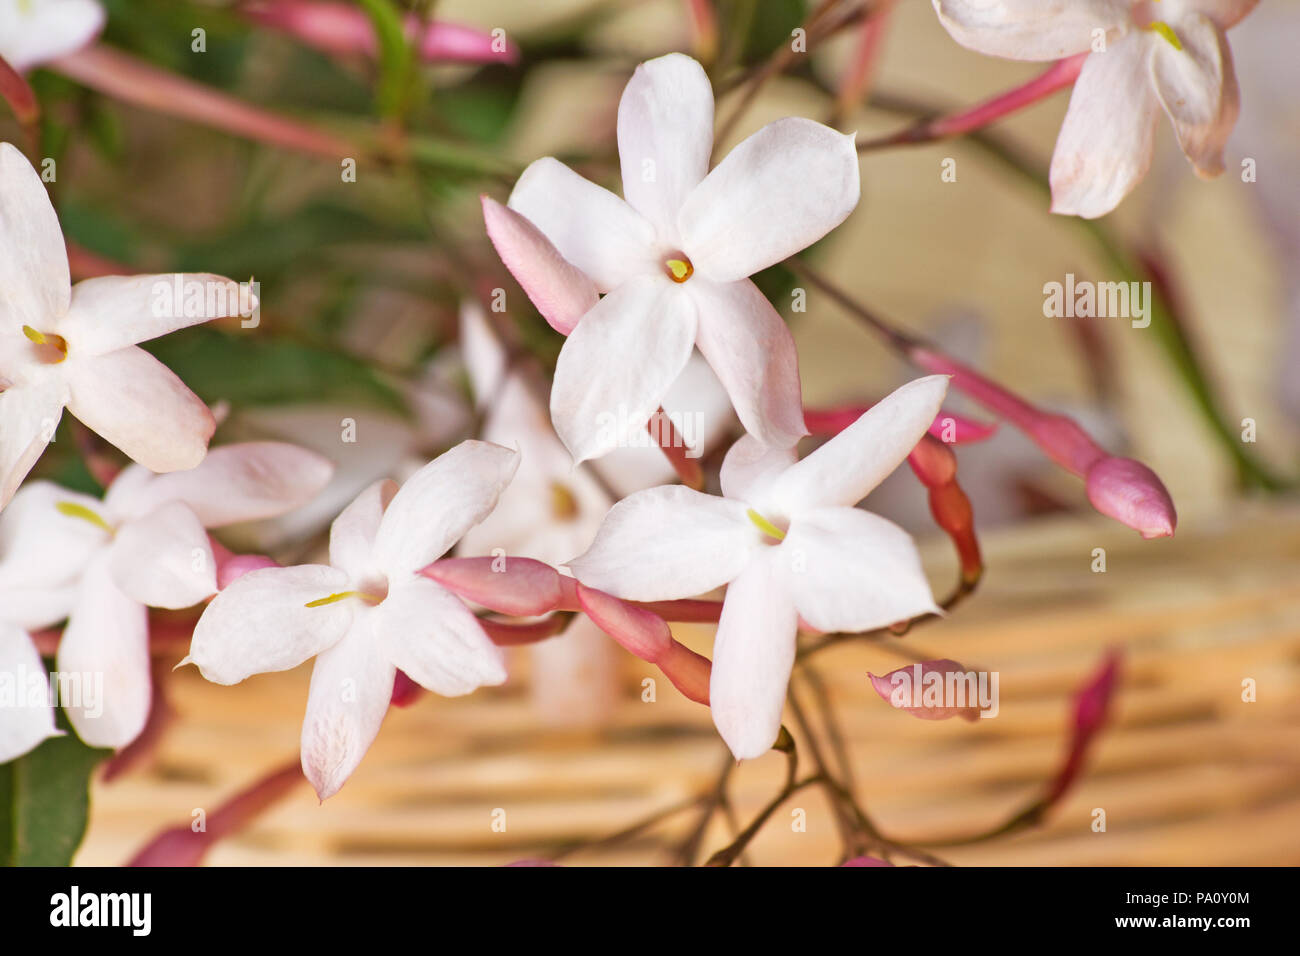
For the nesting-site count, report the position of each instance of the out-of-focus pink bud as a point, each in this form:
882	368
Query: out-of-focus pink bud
181	846
948	427
866	861
510	634
18	94
561	292
520	587
931	690
688	671
1119	488
343	29
675	450
405	691
641	632
84	264
1091	709
1130	492
935	464
232	567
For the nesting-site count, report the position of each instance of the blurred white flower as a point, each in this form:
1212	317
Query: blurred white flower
102	563
674	257
790	545
1146	54
33	32
75	347
368	612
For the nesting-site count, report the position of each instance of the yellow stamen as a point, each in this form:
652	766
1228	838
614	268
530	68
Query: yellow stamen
55	346
31	333
343	596
679	270
564	506
1166	31
74	510
765	526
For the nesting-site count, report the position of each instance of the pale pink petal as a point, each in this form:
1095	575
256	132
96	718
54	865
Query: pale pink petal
850	465
261	622
352	535
905	689
436	506
850	570
750	348
665	137
351	685
112	312
33	259
619	363
593	229
26	717
138	404
431	636
560	291
1108	137
666	543
753	654
106	643
1224	13
776	193
29	415
163	559
48	29
1030	29
1197	86
246	481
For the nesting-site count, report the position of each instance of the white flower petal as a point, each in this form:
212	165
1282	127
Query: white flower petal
1225	13
1030	29
34	283
42	550
164	559
750	348
29	414
850	570
246	481
753	654
850	465
137	403
27	719
665	137
430	635
439	503
352	535
48	29
106	646
776	193
111	312
261	622
1197	86
1108	137
592	228
619	363
750	467
667	543
351	686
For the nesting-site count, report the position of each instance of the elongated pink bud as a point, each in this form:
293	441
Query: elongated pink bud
561	292
688	671
932	690
18	94
1119	488
343	29
935	464
641	632
520	587
181	846
232	567
1091	710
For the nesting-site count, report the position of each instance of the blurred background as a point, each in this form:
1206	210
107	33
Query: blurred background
362	287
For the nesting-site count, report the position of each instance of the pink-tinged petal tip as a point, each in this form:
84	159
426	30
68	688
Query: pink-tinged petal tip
937	690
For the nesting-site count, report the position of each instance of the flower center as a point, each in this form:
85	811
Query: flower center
1166	31
50	348
679	269
564	506
74	510
769	529
1144	15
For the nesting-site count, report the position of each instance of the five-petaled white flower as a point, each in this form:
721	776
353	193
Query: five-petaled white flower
674	256
1170	53
790	545
368	612
33	32
102	563
75	347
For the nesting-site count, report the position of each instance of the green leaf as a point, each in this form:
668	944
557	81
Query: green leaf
45	801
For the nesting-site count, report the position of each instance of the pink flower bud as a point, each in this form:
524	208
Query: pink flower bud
1130	492
641	632
519	587
561	292
930	689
